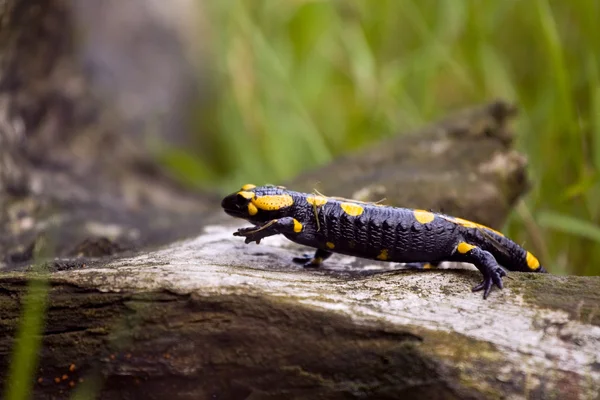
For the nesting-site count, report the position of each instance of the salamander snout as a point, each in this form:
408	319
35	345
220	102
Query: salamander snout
236	205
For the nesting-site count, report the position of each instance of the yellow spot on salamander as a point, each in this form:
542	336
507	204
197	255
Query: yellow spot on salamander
252	210
317	261
471	224
316	200
464	248
423	216
427	266
297	226
352	209
273	202
383	255
246	195
248	186
330	245
532	262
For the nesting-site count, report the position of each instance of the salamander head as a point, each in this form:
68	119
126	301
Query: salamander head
258	203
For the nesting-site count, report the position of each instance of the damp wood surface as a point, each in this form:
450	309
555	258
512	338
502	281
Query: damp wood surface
212	317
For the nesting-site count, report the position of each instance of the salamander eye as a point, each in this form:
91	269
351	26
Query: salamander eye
239	204
244	197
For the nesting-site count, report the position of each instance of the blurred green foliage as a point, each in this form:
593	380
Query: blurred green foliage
28	341
300	82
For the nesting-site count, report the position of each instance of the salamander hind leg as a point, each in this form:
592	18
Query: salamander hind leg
313	261
485	263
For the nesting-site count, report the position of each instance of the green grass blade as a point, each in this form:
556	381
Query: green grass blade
557	60
594	79
28	341
569	224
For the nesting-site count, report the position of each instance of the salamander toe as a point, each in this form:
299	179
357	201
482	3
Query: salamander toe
493	277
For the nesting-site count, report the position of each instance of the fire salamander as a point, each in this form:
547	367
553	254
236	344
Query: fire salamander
335	225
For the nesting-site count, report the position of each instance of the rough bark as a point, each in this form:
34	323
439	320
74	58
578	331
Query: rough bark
213	318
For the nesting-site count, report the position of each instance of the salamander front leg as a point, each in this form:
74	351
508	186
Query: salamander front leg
273	227
485	263
313	261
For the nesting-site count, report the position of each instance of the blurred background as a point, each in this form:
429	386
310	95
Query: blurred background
285	86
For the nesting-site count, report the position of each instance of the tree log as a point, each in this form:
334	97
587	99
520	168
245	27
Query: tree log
213	318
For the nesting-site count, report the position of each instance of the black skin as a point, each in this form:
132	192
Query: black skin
395	231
